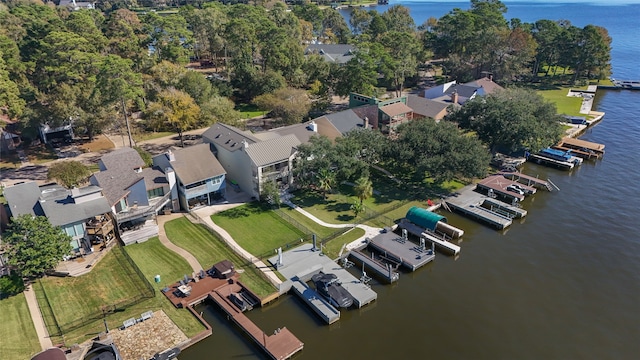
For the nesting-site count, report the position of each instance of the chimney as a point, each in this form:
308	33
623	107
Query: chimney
490	76
454	97
245	144
173	188
313	126
366	122
171	156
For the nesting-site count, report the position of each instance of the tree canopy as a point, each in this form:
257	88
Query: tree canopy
34	245
511	120
68	173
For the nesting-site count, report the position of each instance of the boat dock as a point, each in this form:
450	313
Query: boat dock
498	185
281	345
395	249
504	208
578	146
316	302
565	165
470	203
383	269
441	244
302	262
527	180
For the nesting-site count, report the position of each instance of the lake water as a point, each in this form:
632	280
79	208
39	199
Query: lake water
563	283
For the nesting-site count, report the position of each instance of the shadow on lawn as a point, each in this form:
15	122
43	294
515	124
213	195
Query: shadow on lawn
244	211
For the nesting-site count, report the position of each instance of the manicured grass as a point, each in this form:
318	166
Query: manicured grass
336	208
320	231
209	249
332	247
18	338
153	259
245	222
249	110
112	281
567	105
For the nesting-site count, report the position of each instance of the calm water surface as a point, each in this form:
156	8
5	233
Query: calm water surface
564	283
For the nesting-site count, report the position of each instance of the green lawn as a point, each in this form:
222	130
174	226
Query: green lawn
332	248
209	249
76	298
566	105
249	111
336	209
245	222
320	231
18	338
153	259
112	281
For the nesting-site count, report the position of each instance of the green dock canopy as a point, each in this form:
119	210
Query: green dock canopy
424	218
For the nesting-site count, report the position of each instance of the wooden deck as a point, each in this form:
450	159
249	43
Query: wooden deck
582	145
281	345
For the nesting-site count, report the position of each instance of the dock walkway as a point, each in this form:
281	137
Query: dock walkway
302	262
405	252
419	231
318	304
469	203
281	345
384	270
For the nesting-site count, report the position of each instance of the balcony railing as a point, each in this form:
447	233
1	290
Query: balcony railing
273	175
133	213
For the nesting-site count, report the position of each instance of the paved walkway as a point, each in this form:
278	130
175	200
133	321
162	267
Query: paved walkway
36	317
193	262
369	231
204	214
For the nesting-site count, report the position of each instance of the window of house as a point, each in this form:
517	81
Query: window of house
196	184
153	193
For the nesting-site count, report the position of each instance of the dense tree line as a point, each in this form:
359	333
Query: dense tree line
92	67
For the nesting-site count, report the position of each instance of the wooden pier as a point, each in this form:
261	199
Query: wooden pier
316	302
382	269
394	248
593	150
470	203
281	345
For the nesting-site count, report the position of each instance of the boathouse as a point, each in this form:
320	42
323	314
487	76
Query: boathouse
424	218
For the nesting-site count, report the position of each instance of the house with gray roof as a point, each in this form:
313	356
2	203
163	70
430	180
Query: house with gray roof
196	177
335	53
454	93
253	159
135	194
82	213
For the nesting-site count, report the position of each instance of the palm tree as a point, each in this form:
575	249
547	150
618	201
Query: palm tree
326	180
363	189
357	208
